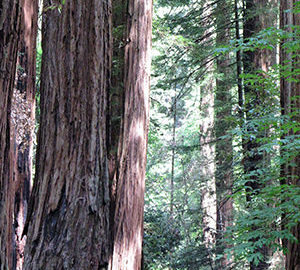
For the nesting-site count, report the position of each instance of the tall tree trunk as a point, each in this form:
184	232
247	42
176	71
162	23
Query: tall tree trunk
10	22
252	158
174	110
223	107
257	18
208	172
290	103
88	192
23	123
238	64
68	217
129	181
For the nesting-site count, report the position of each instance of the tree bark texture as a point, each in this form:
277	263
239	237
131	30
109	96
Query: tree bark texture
23	123
86	208
68	218
290	104
128	190
10	22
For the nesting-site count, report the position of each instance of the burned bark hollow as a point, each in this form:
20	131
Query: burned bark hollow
22	123
86	208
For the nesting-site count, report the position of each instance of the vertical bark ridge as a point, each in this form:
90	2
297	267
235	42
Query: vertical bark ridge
290	104
10	23
129	200
23	123
68	223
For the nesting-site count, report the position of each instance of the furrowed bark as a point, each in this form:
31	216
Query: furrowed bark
23	123
10	23
68	217
129	181
86	208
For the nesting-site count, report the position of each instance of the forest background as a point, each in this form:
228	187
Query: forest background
222	175
219	195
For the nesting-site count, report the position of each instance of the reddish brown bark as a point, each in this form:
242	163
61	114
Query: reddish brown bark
86	208
129	195
290	104
22	122
10	21
68	218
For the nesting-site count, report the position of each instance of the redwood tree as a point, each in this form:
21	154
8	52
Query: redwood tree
23	123
10	22
257	17
86	208
223	107
128	182
290	106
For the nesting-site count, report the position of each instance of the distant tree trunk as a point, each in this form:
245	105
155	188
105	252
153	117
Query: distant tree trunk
256	19
238	64
23	123
86	208
252	158
10	23
207	152
174	110
290	102
223	107
208	197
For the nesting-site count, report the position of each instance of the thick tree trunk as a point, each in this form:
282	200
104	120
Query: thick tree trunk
223	107
68	218
10	22
290	103
86	208
23	123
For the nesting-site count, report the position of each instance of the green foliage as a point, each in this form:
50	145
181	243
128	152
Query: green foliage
274	208
184	46
161	237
